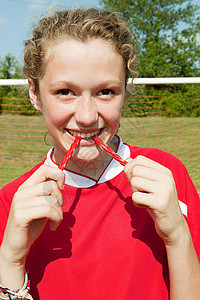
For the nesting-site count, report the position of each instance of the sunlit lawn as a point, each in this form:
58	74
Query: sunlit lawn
22	141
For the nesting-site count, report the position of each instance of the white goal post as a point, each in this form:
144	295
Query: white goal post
136	81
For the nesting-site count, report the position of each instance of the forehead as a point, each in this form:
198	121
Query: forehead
72	47
95	55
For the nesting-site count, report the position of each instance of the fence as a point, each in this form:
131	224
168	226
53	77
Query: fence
162	113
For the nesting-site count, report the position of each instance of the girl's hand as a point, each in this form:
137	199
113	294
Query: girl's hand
37	199
153	187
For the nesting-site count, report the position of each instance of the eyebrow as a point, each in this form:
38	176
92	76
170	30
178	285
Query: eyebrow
112	82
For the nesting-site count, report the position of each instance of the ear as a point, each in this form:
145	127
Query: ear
34	98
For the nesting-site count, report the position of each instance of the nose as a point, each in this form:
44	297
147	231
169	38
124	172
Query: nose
86	112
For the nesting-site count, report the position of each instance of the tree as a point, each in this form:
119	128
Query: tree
13	98
10	67
165	33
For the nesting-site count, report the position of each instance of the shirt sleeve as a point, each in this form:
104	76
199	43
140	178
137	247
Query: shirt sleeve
186	190
4	209
187	194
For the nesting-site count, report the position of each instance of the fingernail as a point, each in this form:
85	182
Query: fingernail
53	226
128	159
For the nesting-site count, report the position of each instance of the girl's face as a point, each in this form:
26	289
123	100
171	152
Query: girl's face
81	93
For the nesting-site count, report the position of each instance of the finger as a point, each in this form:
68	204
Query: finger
152	174
42	189
142	185
38	208
144	199
158	184
129	168
50	212
42	200
150	202
155	201
145	172
37	202
52	200
54	225
145	162
43	174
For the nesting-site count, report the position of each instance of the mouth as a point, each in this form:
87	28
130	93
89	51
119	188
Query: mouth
85	135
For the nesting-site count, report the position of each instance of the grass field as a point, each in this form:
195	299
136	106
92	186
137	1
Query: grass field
22	141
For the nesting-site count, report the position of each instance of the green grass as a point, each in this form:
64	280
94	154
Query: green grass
178	136
22	141
21	145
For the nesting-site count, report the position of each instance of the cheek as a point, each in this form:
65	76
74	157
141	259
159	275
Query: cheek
113	115
54	116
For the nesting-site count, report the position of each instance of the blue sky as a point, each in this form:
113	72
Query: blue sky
16	17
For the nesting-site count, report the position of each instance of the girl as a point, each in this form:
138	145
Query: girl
96	230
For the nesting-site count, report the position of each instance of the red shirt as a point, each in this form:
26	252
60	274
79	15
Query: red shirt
105	247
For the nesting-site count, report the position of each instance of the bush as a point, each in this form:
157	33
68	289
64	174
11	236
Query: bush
15	100
170	101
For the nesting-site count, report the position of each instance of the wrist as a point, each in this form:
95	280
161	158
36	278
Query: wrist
11	271
180	238
10	257
22	293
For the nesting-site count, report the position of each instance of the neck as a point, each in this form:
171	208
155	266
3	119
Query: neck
96	167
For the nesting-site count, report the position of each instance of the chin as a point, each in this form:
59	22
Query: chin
87	155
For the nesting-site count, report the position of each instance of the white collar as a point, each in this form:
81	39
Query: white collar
78	180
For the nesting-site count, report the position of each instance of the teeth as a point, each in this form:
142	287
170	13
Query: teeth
84	135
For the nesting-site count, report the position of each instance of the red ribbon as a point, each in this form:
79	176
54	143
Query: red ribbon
70	152
99	142
109	150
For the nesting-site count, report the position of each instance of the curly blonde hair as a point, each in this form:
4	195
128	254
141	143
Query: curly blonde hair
82	25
